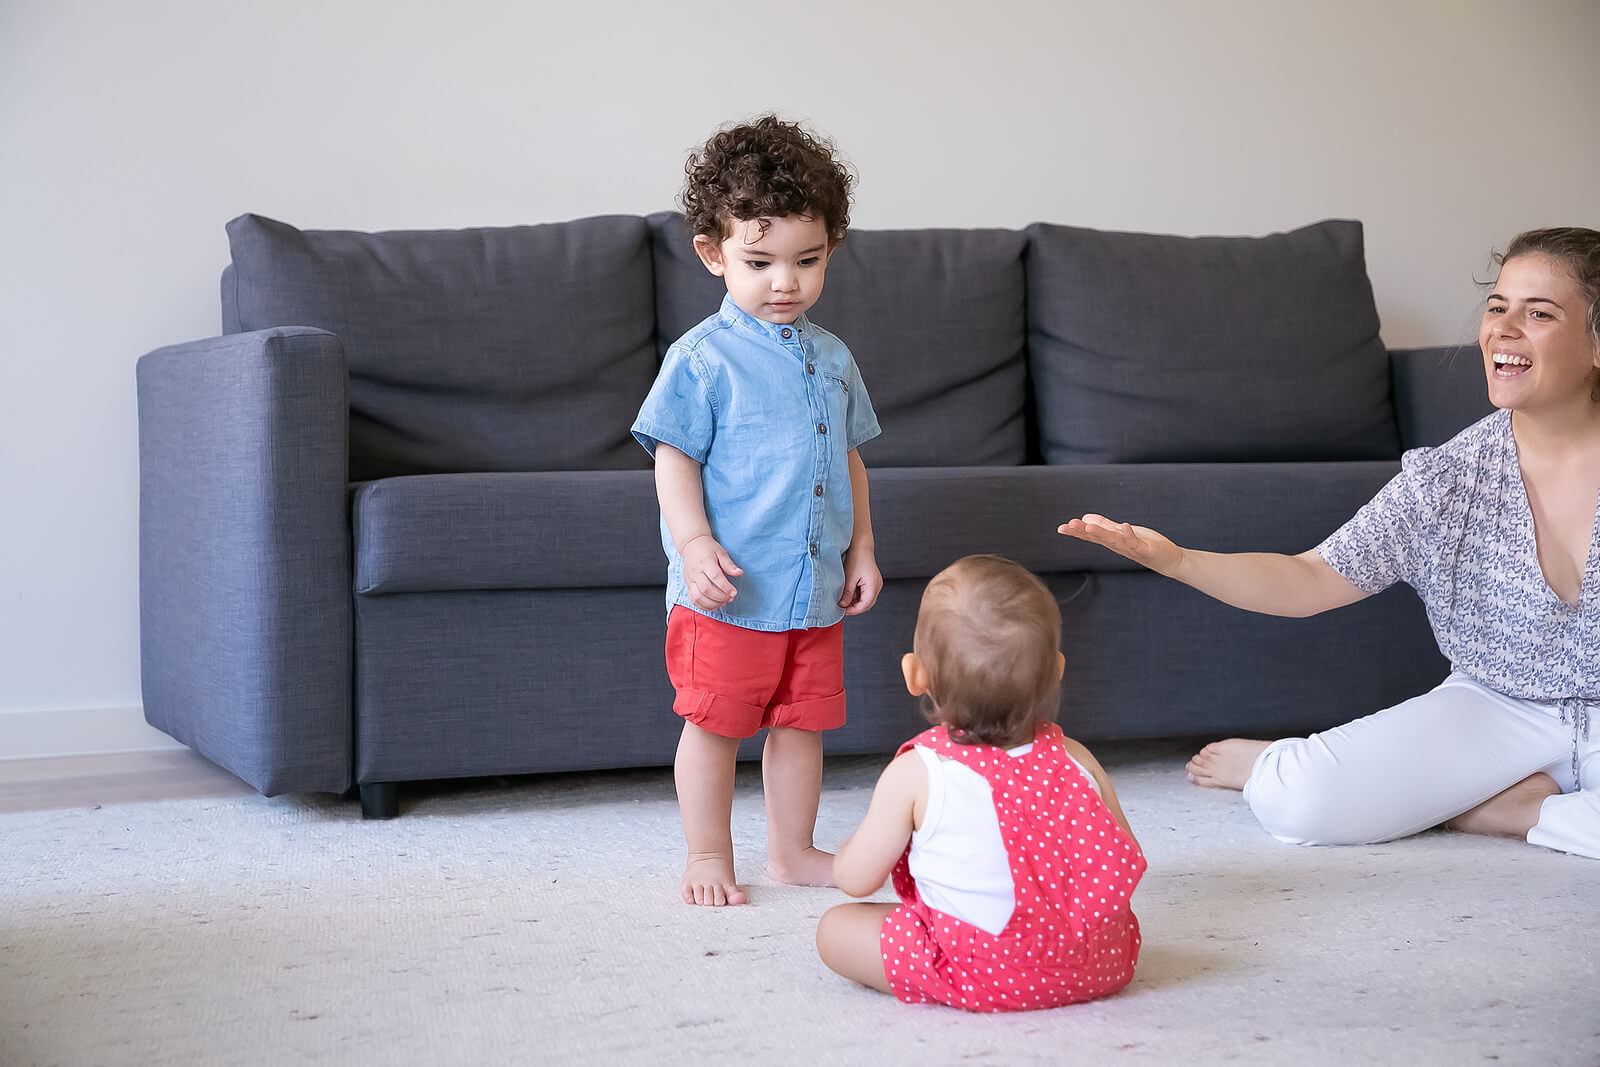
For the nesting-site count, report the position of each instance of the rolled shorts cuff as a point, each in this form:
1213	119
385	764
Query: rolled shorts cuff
726	717
823	713
718	714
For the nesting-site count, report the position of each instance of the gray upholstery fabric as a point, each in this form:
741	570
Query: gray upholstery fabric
1147	656
512	348
934	318
244	559
924	519
1438	392
451	532
1148	348
550	530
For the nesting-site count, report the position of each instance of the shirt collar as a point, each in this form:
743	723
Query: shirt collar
799	330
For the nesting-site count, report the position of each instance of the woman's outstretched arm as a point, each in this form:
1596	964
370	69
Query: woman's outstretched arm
1268	582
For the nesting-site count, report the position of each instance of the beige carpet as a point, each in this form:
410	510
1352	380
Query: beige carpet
534	921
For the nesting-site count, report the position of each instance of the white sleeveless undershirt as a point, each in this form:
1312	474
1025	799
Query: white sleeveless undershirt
958	858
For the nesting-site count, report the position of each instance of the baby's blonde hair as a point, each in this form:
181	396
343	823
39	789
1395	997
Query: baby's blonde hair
988	635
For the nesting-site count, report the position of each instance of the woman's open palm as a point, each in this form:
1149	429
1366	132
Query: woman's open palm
1138	543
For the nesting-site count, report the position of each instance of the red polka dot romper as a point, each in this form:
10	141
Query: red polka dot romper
1073	935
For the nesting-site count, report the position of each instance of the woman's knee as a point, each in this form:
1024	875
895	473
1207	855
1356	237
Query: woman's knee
1310	804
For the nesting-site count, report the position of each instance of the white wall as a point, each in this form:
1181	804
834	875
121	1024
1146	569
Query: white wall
129	133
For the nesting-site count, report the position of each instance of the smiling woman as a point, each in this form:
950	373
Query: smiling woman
1498	530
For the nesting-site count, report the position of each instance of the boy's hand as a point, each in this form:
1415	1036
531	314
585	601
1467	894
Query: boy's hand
706	568
862	581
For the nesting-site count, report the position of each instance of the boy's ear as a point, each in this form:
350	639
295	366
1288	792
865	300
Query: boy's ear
710	253
1061	665
916	677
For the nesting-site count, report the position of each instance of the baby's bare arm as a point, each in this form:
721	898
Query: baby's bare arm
1108	792
867	857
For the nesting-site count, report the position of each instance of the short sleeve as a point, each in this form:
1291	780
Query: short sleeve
680	407
861	422
1379	545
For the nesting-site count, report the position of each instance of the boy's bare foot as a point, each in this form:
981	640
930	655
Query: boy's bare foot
1225	764
708	880
1511	812
810	867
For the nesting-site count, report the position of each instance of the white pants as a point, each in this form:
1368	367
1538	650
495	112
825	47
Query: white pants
1412	766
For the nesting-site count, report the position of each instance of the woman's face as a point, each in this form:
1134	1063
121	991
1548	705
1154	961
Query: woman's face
1537	351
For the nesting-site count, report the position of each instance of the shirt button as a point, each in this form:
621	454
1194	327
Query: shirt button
822	427
811	368
817	491
813	548
787	332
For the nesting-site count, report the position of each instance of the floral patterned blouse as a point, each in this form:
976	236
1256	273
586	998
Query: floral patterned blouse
1455	525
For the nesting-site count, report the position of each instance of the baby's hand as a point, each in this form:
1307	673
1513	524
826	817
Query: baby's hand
706	568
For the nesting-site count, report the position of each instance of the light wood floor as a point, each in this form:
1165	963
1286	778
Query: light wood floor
118	778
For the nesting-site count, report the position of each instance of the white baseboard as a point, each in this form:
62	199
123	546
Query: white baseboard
78	732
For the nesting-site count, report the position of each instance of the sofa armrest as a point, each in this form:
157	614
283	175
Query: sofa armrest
1438	392
244	554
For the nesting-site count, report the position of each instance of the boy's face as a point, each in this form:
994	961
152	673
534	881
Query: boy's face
773	275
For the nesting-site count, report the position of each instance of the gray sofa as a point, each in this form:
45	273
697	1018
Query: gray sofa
393	526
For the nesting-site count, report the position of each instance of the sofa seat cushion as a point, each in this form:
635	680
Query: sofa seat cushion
502	349
578	530
535	530
1149	348
935	320
924	519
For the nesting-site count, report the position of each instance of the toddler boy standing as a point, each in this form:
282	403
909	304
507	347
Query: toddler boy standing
754	421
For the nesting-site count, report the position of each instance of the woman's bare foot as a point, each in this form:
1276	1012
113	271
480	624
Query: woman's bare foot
809	867
708	880
1225	764
1511	812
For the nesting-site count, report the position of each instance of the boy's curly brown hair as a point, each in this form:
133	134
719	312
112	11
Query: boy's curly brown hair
765	169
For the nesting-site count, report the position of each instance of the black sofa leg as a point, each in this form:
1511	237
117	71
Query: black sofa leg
380	800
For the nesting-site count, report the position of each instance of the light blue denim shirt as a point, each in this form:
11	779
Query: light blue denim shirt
771	413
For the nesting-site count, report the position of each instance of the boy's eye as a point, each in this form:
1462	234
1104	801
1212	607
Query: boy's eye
810	261
756	264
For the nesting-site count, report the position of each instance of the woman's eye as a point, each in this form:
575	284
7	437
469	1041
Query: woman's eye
1540	315
1494	309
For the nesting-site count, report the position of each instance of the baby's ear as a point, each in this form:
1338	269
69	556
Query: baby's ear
710	253
916	677
1061	665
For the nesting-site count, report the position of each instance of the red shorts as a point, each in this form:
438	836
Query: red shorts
733	681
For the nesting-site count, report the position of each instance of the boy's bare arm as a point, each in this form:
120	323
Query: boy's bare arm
1108	792
706	565
867	857
1268	582
862	579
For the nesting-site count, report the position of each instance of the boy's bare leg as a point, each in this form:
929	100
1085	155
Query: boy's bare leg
1512	812
847	941
1225	764
791	775
703	771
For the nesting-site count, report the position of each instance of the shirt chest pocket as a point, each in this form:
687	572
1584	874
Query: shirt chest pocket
836	397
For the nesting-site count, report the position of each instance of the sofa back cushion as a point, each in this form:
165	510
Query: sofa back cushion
525	348
1148	348
934	318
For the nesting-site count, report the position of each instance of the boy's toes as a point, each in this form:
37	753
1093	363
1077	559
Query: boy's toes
708	882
